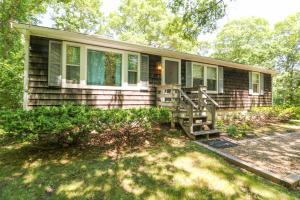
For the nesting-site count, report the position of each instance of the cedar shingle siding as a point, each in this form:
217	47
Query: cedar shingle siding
41	94
235	96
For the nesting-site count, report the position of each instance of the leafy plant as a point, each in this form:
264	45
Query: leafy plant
70	124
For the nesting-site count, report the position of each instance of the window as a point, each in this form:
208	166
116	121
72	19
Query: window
198	75
88	66
133	62
206	75
255	82
104	68
73	65
211	78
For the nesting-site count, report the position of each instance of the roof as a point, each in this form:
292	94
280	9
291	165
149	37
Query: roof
111	43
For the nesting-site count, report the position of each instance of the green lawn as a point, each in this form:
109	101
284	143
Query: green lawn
171	169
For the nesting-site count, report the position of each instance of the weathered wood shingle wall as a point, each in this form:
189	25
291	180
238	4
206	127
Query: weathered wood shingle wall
41	94
236	91
235	96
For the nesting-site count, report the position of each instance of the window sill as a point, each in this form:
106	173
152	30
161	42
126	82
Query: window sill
211	92
95	87
255	94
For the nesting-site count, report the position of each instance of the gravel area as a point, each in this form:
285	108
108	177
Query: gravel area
279	153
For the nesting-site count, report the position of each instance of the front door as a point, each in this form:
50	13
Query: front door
171	71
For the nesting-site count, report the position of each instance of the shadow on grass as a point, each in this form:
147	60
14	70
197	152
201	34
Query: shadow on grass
165	170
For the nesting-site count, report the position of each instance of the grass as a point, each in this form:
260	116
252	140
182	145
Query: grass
173	168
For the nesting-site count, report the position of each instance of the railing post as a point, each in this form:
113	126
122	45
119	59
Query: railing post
213	116
200	99
191	117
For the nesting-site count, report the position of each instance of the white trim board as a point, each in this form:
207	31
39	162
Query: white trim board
105	42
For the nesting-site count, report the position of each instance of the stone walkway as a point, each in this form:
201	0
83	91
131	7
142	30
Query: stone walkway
279	154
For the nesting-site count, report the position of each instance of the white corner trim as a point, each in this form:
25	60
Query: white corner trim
25	37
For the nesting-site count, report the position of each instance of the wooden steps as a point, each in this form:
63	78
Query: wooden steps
190	109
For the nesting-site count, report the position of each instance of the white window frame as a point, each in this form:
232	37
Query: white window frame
258	92
138	69
83	68
64	65
205	76
163	69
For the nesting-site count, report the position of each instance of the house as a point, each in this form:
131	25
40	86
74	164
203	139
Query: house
66	67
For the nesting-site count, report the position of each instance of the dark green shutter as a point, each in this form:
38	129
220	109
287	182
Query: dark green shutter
188	74
221	79
144	71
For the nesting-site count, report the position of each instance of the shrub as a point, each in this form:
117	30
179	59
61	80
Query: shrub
276	113
238	130
70	124
232	130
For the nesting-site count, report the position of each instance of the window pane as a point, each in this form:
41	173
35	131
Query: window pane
198	74
171	72
73	55
104	68
133	62
255	88
255	78
95	68
113	63
132	77
73	74
197	82
211	84
212	73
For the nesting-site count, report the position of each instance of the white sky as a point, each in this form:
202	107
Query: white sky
272	10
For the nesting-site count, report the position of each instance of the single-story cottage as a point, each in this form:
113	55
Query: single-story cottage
67	67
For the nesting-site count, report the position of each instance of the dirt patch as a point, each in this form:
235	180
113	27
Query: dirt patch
279	153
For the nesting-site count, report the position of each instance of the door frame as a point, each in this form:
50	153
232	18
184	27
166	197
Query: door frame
163	69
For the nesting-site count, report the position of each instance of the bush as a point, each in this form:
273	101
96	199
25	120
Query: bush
276	113
238	130
71	124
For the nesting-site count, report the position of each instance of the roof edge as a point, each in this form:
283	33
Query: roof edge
98	40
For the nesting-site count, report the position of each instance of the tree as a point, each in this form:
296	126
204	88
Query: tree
246	41
197	16
287	42
155	23
11	51
78	15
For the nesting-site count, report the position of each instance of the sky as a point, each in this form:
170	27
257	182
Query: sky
272	10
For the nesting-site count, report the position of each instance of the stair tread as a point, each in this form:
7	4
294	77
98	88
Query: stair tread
201	124
206	132
195	117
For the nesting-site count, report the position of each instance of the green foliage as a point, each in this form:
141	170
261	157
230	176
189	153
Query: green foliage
246	41
275	113
11	50
286	39
78	15
232	130
153	23
252	41
71	124
238	130
197	16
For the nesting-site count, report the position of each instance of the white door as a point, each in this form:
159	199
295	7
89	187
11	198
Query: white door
171	71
